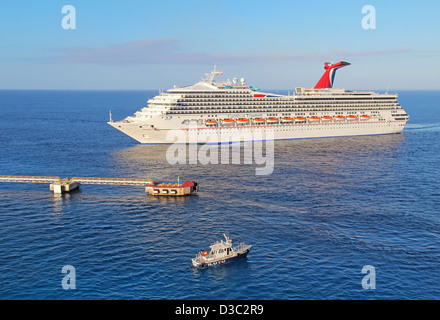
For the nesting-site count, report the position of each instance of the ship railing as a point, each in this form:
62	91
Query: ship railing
199	257
240	247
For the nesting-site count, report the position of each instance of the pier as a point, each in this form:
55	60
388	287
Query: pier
59	186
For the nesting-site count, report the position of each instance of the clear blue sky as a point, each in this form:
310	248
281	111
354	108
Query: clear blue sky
273	44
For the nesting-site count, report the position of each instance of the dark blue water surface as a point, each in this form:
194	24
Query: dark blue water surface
330	207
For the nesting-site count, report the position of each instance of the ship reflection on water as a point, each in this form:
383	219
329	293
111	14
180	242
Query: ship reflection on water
308	173
323	157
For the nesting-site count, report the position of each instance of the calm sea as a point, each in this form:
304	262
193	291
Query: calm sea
330	207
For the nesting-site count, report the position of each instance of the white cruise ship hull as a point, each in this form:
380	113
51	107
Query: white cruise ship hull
147	135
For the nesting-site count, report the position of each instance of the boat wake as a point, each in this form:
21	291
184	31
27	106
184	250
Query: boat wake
433	127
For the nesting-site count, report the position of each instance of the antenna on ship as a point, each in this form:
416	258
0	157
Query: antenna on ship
210	76
111	116
388	88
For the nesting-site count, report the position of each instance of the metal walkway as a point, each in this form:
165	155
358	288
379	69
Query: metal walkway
30	179
66	185
81	180
113	181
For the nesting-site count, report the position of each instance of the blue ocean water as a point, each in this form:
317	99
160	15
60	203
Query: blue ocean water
330	207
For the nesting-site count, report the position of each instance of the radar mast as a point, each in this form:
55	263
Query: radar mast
210	76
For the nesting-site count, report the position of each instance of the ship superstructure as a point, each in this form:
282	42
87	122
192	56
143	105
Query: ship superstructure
232	111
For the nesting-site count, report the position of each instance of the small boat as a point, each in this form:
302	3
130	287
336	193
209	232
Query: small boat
174	188
228	121
272	120
258	120
221	252
351	117
327	118
314	119
340	118
297	119
365	117
287	119
242	120
211	122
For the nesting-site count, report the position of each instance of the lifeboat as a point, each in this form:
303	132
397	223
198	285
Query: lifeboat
340	118
297	119
242	121
272	120
211	122
326	118
258	120
314	119
351	117
287	119
228	121
365	117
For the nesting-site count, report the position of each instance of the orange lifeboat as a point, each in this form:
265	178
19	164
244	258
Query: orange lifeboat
326	118
242	120
228	121
287	119
272	120
340	118
211	122
300	118
365	117
258	120
314	119
351	117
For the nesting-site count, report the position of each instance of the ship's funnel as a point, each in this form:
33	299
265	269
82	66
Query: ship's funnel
328	77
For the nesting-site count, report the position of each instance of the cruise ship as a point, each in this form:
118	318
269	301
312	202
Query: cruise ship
213	111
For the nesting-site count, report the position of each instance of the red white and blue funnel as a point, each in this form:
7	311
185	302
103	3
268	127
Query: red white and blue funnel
328	77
